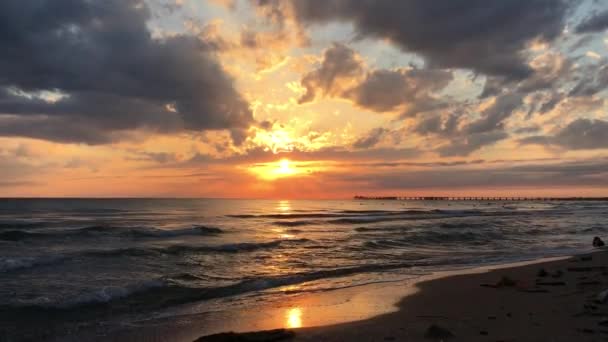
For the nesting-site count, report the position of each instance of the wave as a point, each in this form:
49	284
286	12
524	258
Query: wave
196	230
17	235
436	238
378	229
364	212
143	232
463	212
112	293
340	214
422	215
373	219
102	296
21	225
295	223
462	225
285	216
9	264
163	292
180	249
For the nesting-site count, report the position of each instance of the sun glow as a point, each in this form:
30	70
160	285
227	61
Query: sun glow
294	318
285	167
280	169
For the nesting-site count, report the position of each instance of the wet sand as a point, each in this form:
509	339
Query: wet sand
518	303
512	302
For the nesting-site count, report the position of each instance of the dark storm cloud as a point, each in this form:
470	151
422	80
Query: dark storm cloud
595	23
581	134
113	75
484	36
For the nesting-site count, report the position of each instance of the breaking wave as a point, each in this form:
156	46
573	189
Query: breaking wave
134	232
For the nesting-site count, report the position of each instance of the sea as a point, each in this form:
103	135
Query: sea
72	263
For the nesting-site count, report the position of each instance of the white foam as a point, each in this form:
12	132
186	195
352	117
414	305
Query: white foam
9	264
110	293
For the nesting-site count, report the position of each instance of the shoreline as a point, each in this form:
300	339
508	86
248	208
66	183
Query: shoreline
558	306
393	311
479	305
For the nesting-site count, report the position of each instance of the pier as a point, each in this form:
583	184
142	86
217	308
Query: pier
479	198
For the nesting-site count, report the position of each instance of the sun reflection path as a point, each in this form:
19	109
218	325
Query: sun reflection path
284	206
294	318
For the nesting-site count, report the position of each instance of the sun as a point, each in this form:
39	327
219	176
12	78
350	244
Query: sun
284	167
279	169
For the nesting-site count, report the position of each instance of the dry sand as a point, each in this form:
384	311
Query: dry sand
561	305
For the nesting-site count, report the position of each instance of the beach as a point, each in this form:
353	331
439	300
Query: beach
561	305
176	270
299	170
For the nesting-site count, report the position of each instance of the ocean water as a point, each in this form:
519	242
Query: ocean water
76	262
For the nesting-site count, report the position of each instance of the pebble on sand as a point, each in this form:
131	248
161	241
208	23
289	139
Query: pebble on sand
597	242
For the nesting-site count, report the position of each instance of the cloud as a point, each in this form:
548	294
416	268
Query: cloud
576	173
528	129
386	90
444	126
343	74
15	184
111	76
334	154
488	37
461	136
594	23
339	63
593	81
493	117
371	139
463	145
17	170
580	134
157	157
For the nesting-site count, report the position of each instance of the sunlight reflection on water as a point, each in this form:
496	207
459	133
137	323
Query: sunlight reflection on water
294	318
284	206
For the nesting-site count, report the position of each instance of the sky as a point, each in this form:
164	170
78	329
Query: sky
303	98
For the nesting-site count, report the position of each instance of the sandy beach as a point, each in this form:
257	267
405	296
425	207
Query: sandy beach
549	301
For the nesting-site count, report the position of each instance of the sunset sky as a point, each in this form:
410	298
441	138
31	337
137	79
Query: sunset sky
303	98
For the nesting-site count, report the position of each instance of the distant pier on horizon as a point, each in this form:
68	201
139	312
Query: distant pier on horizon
479	198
